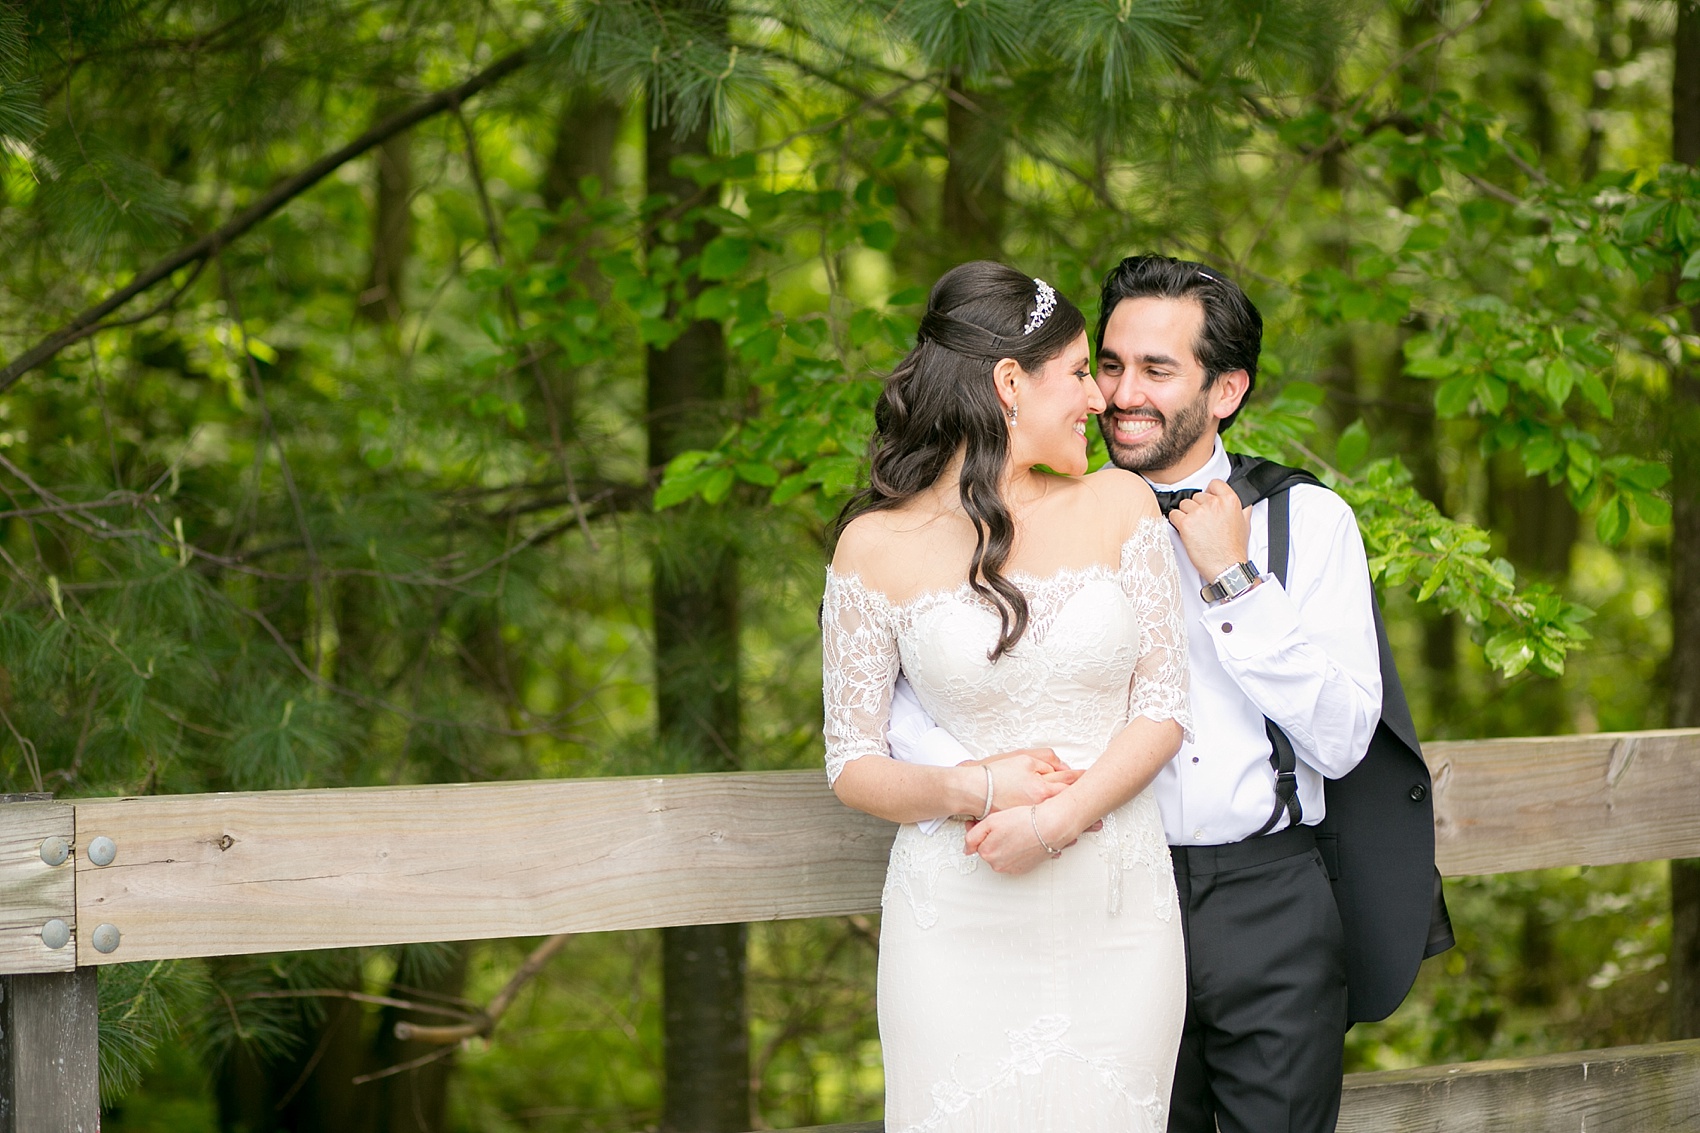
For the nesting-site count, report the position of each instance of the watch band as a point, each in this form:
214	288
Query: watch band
1231	583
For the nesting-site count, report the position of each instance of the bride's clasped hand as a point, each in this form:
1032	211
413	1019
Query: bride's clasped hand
1023	779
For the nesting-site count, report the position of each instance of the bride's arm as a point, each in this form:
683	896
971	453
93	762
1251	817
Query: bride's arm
859	665
1160	718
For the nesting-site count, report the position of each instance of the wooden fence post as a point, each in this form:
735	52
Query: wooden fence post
49	1053
49	1008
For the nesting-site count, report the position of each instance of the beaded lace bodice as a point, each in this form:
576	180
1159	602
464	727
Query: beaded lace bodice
1103	645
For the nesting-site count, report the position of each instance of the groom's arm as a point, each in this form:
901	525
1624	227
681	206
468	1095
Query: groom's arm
1304	654
914	738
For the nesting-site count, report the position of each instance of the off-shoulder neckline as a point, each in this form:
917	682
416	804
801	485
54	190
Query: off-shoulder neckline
1025	580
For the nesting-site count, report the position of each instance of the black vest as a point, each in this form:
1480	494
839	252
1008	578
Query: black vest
1377	837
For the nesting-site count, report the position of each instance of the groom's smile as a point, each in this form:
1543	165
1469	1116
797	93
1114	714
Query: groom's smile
1136	428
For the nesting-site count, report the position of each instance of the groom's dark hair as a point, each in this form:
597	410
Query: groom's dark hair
1232	334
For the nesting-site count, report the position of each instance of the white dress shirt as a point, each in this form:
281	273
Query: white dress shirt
1304	655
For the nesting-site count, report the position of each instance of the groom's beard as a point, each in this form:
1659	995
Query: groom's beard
1175	435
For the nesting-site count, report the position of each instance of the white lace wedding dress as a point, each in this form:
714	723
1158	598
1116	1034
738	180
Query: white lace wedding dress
1053	1000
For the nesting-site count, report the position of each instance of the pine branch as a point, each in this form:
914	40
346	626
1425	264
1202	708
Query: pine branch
485	1021
89	321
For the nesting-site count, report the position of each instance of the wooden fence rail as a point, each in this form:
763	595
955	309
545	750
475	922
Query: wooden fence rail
168	877
1630	1089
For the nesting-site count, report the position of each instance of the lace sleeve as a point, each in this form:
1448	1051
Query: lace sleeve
859	667
1151	582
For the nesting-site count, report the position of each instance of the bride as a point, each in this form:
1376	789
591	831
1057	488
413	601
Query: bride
1026	983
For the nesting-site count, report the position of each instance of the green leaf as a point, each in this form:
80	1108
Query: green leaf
764	474
1432	366
1582	456
1453	397
1647	475
1613	521
684	479
1495	394
659	332
723	257
879	235
1425	237
1654	510
714	302
1509	651
1594	389
1691	269
1681	226
761	347
809	332
719	482
791	487
907	297
1428	177
686	461
1480	212
1640	220
837	474
1353	446
1562	376
1541	453
890	151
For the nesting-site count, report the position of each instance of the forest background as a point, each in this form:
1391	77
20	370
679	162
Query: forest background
397	391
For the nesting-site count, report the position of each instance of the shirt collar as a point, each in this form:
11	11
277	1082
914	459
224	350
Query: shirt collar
1216	468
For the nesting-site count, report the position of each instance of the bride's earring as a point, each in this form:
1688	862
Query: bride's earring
1012	410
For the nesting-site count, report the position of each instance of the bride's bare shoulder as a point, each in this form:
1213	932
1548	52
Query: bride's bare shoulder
871	542
1119	492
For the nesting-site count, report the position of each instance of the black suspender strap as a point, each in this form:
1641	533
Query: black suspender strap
1281	756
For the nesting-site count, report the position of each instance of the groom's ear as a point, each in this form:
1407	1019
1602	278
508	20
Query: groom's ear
1226	393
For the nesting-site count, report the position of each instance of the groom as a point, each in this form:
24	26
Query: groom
1299	664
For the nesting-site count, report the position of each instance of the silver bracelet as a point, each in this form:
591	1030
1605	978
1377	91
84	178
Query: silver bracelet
987	811
1033	813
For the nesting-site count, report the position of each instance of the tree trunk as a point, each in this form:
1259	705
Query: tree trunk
383	297
971	211
1600	92
310	1090
695	607
1537	518
585	133
1684	439
415	1101
1410	417
1539	522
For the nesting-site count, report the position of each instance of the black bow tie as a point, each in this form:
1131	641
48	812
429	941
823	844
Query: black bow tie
1169	501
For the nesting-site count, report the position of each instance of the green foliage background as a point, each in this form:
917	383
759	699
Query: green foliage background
285	524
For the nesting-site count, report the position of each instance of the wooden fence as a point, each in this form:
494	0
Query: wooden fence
103	881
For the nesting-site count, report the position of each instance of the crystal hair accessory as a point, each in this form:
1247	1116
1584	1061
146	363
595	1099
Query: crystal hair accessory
1044	302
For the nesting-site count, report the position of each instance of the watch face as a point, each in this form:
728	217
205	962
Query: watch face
1233	582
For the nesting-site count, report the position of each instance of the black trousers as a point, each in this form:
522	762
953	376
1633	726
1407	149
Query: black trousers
1266	989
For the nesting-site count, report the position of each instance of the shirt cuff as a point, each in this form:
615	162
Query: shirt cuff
936	747
1252	624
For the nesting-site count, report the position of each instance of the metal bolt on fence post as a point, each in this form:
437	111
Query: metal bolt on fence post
102	850
55	850
105	939
56	933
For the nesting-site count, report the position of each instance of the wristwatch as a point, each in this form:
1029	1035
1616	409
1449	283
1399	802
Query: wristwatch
1231	583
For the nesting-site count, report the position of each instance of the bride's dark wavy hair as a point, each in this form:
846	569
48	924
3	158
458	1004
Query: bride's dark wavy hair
941	398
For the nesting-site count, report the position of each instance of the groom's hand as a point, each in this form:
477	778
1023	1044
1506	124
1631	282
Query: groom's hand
1214	529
